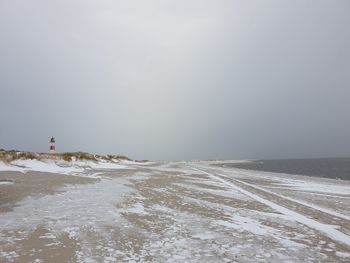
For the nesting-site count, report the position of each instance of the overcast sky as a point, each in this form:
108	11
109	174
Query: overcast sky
180	79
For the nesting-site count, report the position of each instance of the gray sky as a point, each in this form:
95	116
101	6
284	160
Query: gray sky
181	79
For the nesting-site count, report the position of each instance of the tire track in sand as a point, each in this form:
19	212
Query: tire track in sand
328	230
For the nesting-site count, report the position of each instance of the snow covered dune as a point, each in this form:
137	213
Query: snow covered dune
75	167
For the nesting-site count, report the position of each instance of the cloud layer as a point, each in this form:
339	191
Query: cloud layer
177	79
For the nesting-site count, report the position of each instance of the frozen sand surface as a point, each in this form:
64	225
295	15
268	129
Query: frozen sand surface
181	212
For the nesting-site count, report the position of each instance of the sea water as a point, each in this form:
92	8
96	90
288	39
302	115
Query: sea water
336	168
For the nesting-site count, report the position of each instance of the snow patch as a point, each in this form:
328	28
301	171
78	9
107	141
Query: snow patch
48	166
98	165
75	167
7	167
342	254
71	209
309	186
6	182
137	208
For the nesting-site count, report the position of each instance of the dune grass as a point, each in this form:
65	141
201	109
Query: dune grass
11	155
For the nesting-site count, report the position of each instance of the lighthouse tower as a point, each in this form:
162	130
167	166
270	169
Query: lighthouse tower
52	145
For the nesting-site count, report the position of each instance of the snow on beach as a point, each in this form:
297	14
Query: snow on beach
58	166
9	167
178	212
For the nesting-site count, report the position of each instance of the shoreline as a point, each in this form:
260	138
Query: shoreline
295	167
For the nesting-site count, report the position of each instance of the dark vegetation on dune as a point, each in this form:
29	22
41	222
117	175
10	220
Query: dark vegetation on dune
11	155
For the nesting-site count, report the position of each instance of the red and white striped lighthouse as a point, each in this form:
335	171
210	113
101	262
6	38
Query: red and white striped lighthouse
52	145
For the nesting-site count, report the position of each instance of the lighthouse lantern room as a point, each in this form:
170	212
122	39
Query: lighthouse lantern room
52	145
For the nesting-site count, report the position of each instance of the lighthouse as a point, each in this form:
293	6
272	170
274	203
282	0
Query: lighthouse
52	145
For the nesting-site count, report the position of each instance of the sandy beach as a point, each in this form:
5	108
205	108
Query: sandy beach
172	212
